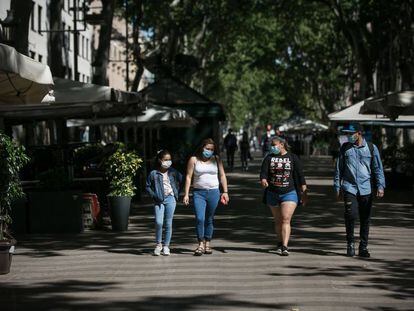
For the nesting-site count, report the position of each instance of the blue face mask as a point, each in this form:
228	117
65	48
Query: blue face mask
275	150
207	153
352	139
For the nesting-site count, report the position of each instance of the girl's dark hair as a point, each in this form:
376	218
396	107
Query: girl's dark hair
159	156
207	141
282	140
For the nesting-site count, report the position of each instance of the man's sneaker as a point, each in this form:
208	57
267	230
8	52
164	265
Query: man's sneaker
350	250
285	251
166	251
363	252
279	249
157	250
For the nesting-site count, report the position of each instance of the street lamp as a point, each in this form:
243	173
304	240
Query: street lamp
8	27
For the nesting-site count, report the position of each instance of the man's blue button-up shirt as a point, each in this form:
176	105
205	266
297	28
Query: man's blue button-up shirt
353	170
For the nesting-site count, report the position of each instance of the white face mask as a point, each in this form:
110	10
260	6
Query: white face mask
166	164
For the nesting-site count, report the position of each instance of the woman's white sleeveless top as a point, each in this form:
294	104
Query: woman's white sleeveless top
206	175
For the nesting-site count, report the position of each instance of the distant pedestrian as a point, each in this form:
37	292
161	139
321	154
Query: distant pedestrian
358	173
334	146
266	139
245	151
205	170
230	143
163	185
282	178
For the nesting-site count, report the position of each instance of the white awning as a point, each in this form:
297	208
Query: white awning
352	114
22	79
299	124
153	116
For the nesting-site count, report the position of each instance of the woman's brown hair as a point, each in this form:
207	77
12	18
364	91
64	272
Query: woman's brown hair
207	141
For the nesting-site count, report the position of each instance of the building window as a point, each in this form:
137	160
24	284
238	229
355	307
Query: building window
87	49
65	36
39	18
32	54
40	58
32	19
83	47
69	11
69	38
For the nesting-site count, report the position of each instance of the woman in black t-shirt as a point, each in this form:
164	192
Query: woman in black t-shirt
282	178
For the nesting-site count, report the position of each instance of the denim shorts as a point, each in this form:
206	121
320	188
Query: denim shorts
274	199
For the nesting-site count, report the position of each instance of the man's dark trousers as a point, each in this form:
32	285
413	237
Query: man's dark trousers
357	205
230	156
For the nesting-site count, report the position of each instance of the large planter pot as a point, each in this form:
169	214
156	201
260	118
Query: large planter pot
119	211
6	255
55	212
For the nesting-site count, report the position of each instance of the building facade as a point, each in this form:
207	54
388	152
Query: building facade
39	37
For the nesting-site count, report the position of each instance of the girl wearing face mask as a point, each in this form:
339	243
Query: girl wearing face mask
206	171
163	185
282	178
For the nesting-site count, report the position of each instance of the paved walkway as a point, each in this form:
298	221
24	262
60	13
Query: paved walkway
102	270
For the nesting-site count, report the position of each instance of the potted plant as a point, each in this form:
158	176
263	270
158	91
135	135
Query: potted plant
121	168
12	160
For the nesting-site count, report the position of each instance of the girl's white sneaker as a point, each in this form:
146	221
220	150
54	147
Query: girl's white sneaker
166	251
157	250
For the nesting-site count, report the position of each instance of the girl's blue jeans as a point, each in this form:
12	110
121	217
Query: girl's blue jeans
164	213
205	204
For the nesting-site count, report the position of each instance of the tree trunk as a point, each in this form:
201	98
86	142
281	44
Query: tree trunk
56	39
101	58
137	47
22	10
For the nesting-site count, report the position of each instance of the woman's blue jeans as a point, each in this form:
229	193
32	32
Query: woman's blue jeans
164	213
205	204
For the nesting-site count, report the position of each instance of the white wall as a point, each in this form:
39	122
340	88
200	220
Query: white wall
4	6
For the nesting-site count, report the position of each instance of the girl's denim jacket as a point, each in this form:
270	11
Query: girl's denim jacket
155	186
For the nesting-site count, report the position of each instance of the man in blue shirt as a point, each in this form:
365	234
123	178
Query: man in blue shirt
358	174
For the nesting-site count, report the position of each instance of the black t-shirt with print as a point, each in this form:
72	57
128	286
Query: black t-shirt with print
280	174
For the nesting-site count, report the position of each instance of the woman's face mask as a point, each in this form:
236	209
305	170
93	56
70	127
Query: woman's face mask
207	153
166	164
275	150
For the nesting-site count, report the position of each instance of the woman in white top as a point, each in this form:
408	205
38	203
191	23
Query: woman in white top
207	172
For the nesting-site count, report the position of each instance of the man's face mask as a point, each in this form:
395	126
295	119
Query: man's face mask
353	138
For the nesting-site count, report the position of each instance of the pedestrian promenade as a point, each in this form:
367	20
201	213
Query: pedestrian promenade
102	270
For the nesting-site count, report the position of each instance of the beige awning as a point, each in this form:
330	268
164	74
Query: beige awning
22	79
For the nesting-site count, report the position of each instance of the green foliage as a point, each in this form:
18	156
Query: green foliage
12	160
121	168
268	59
